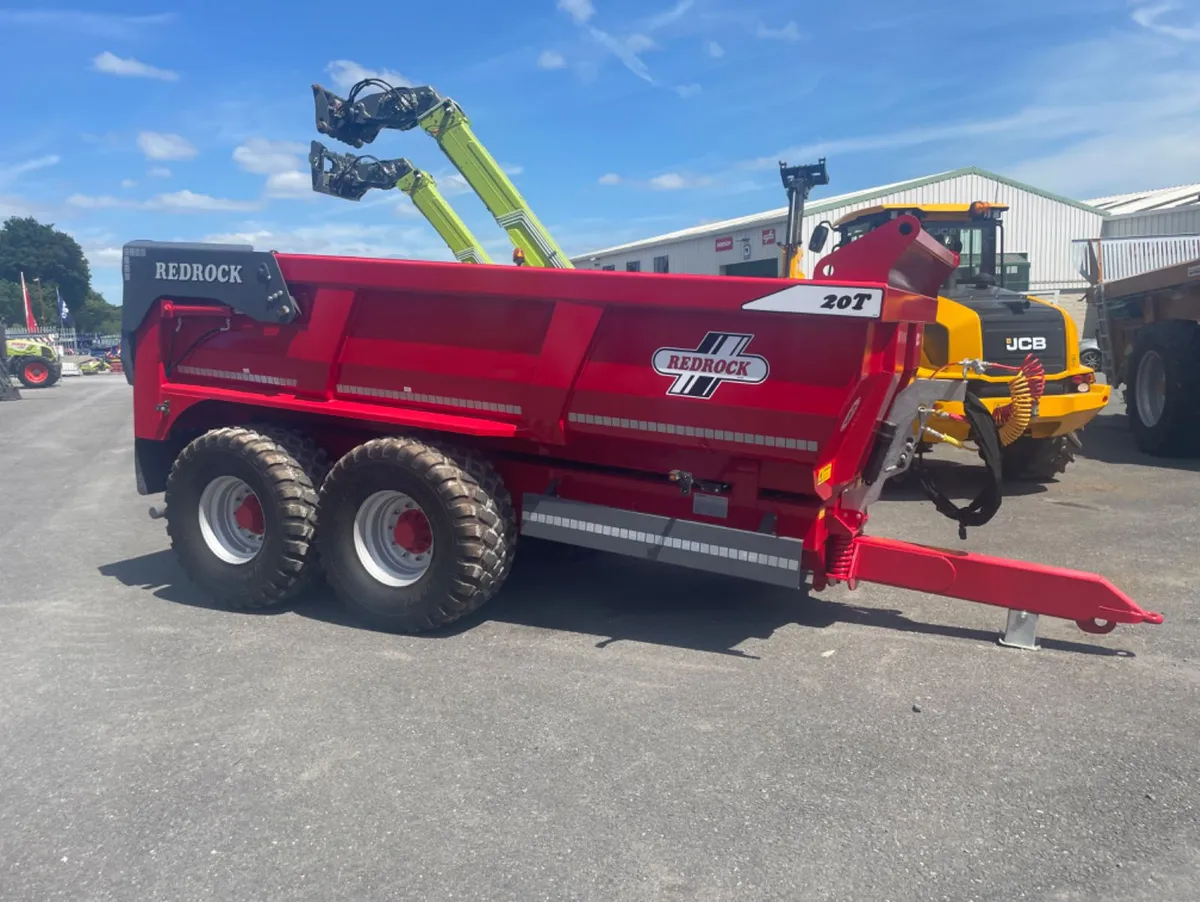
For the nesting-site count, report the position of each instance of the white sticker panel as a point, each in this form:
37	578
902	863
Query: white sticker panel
822	300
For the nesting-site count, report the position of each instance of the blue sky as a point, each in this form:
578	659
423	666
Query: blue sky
618	119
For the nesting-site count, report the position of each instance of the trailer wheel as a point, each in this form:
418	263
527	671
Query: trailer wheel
1163	393
241	515
415	535
314	461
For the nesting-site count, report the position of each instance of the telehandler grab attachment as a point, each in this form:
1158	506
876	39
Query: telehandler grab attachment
358	119
350	177
412	420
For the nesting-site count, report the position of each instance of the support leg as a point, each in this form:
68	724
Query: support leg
1021	631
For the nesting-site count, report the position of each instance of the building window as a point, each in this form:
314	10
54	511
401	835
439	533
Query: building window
633	266
660	264
609	267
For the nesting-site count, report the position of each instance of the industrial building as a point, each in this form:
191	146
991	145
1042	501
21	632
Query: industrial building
1039	230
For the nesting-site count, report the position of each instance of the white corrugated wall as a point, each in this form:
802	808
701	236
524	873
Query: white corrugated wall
1174	221
1039	226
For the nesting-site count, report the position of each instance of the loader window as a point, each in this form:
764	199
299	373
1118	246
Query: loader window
975	242
976	247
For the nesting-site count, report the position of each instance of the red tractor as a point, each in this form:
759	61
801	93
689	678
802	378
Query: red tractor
398	427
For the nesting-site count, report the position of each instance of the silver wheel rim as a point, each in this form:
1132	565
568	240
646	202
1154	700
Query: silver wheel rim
231	540
390	540
1151	392
1091	359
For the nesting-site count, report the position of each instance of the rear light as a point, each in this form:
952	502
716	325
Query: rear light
1083	381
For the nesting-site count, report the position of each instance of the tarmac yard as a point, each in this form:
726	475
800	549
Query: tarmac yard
604	729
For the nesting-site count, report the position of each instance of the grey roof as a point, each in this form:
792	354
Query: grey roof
1146	201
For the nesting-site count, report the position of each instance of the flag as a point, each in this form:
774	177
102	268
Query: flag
63	313
30	322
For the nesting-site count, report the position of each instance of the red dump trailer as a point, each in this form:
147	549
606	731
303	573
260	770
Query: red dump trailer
395	427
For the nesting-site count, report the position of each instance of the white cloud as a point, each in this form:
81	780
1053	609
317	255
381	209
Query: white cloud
188	201
10	174
159	146
686	91
346	73
159	172
551	59
673	181
626	50
639	43
452	185
1151	17
715	50
87	202
610	178
416	241
102	257
579	10
112	64
128	183
290	184
511	169
265	157
669	17
1083	119
101	25
789	32
19	206
175	202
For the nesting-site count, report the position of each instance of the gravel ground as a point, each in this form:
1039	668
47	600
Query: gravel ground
603	730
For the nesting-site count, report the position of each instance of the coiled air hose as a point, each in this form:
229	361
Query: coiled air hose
991	432
1025	390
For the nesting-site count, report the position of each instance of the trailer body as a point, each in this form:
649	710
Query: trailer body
734	425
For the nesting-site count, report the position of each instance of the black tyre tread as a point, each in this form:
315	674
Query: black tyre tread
1038	459
315	462
478	502
1178	432
298	507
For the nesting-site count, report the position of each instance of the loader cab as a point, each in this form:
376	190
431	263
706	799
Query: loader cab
974	231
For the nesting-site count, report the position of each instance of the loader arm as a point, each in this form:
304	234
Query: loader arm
357	120
350	177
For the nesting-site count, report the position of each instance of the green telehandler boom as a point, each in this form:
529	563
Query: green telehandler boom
350	177
358	120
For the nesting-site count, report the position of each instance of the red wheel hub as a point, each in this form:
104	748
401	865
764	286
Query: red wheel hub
37	373
249	515
413	533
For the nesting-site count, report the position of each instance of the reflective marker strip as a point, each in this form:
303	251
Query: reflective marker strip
428	399
724	435
237	375
649	538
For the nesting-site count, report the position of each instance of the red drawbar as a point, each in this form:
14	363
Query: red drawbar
1086	598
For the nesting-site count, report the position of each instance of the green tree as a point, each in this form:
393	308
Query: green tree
12	308
97	315
42	251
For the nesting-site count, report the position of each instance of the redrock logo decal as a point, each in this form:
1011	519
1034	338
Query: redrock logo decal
699	371
198	272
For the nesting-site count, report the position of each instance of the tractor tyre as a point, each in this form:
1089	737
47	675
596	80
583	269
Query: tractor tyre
241	515
1162	396
415	535
34	372
1031	459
